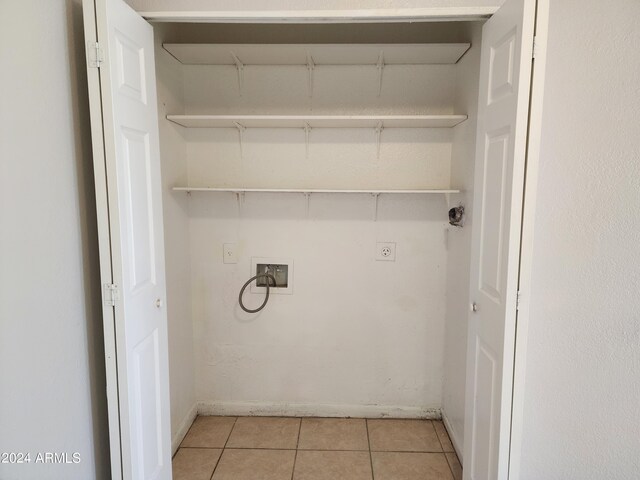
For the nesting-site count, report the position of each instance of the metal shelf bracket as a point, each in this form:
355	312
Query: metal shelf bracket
241	129
240	69
375	206
380	67
310	68
307	133
307	196
240	202
379	129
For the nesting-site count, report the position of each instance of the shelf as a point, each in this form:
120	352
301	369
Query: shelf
317	121
311	190
374	193
317	54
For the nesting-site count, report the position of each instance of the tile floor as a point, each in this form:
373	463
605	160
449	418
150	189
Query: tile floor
278	448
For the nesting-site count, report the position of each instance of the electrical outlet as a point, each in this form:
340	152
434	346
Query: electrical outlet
229	253
386	251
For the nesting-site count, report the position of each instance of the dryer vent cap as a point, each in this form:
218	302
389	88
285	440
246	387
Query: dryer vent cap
456	216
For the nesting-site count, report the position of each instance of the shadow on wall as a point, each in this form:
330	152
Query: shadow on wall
89	235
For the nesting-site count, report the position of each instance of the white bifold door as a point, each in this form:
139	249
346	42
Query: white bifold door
127	114
505	75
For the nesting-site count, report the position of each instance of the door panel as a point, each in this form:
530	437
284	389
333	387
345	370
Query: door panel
147	405
129	63
492	215
505	70
132	163
138	207
501	67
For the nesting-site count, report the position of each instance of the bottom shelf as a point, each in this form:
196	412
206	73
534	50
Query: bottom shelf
311	190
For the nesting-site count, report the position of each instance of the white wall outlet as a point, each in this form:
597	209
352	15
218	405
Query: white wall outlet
229	253
386	251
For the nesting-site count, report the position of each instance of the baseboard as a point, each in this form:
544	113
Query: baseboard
316	410
183	428
453	435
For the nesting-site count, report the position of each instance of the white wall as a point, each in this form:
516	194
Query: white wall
357	337
176	240
459	242
582	409
52	393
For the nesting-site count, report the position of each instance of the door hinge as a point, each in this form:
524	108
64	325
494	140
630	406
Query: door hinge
536	47
96	54
518	298
110	294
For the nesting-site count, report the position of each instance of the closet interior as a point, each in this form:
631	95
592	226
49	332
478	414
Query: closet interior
319	144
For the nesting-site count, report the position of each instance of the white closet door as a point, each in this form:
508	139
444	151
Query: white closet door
507	42
132	161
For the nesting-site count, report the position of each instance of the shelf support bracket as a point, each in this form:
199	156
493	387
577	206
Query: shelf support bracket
310	67
380	67
240	69
375	196
307	196
240	201
307	133
241	129
379	129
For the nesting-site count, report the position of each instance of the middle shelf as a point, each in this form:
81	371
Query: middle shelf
317	121
421	191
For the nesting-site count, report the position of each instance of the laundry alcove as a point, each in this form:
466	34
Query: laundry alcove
314	143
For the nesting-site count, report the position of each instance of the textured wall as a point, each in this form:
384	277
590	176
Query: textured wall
582	411
357	337
52	392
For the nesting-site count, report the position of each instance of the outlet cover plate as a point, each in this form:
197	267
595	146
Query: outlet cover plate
229	254
386	251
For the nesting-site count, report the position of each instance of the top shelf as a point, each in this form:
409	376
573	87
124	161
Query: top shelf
317	121
317	54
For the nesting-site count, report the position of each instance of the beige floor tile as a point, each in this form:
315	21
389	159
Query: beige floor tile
195	463
333	434
443	436
325	465
403	436
255	465
455	466
209	432
410	466
265	432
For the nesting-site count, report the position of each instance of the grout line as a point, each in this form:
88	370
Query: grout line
437	436
314	449
453	475
407	451
373	476
186	435
442	448
230	432
217	463
223	448
295	457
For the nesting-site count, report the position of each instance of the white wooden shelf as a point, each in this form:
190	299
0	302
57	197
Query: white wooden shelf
317	121
317	54
312	190
307	192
